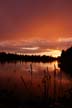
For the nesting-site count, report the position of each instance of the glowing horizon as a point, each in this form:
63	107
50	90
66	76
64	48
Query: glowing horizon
33	26
51	52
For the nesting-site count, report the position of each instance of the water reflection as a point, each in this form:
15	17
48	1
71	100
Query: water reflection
44	80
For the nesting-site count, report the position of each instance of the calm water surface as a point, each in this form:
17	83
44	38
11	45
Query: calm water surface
37	79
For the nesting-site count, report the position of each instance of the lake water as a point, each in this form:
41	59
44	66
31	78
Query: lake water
34	79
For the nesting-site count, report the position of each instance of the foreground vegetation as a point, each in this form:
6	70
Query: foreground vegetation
65	61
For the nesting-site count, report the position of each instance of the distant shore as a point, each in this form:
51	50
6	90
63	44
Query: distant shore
9	57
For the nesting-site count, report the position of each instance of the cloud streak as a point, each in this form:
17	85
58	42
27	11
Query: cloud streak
36	46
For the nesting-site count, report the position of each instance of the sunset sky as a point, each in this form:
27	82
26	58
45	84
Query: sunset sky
35	26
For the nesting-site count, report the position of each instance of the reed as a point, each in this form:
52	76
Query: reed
46	81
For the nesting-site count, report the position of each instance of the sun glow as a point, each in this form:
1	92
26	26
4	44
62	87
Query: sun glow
38	51
53	53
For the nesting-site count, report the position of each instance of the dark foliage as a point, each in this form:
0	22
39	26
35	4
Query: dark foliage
4	57
65	61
